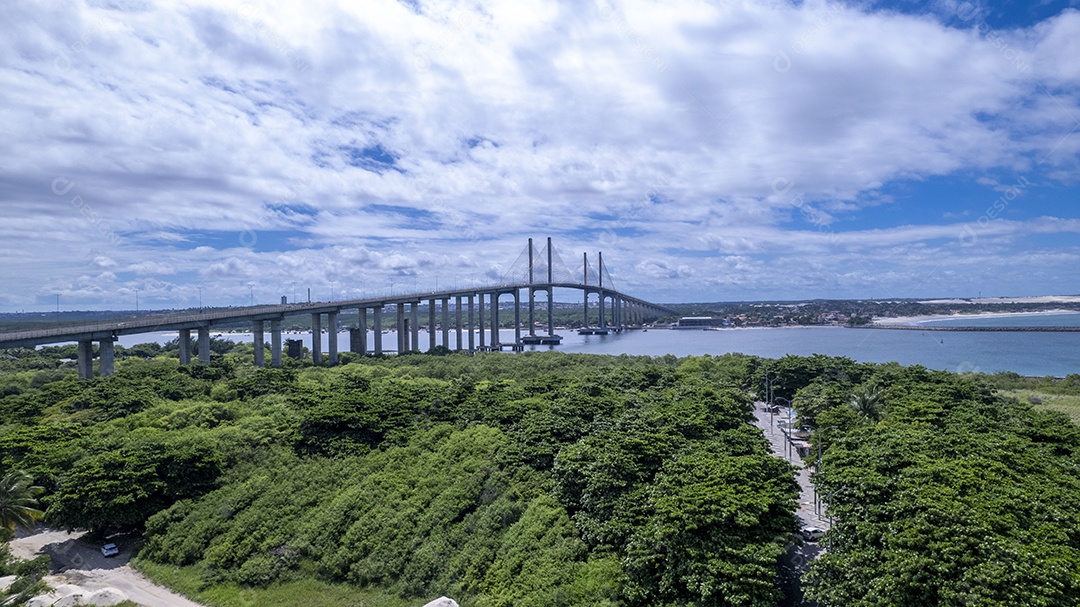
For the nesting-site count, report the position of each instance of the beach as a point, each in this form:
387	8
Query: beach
917	320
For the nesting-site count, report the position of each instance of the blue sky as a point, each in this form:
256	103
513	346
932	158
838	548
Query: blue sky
721	150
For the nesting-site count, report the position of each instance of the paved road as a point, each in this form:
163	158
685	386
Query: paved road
799	555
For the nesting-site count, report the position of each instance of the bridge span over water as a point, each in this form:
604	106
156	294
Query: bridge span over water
463	309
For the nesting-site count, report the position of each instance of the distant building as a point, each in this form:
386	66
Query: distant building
698	322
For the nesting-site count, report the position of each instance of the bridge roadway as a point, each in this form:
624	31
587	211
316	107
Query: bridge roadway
623	310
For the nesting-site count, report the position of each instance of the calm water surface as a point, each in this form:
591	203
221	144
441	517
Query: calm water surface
1055	354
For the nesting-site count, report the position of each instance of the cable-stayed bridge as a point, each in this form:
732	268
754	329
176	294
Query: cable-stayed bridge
473	312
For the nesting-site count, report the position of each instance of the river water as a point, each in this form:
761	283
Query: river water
1056	354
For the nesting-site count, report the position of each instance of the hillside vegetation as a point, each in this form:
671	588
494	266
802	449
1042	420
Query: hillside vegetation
540	479
549	479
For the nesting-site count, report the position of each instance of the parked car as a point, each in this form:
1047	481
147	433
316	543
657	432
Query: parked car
110	550
812	534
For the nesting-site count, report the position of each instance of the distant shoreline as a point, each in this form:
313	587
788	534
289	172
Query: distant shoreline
916	321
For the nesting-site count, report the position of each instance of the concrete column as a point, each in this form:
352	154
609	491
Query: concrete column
331	336
316	338
106	354
259	343
480	318
495	319
376	321
586	319
358	338
472	336
414	315
457	329
532	311
185	346
402	329
446	323
86	359
204	344
517	315
275	343
603	320
551	310
431	324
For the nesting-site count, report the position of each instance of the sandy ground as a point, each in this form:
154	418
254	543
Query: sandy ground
81	563
914	320
1003	300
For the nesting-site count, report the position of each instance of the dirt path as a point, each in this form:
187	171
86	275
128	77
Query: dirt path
81	563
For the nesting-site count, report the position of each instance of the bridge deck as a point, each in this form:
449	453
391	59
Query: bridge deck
172	322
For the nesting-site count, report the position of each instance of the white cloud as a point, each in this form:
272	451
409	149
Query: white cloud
701	127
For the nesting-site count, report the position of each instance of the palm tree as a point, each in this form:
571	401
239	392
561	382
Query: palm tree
867	400
18	501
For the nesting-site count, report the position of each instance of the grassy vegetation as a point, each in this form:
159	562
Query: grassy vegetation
1068	404
189	581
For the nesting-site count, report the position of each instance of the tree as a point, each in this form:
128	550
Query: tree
867	401
18	501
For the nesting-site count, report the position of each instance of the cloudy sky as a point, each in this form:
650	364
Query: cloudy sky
713	150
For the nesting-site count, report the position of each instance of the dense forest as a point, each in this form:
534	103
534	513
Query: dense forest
547	478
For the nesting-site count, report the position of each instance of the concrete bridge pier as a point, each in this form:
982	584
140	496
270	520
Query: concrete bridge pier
472	336
585	320
332	337
480	318
185	346
275	343
446	323
358	336
376	322
259	343
431	324
532	311
550	312
414	315
603	303
106	355
86	359
457	325
402	329
517	316
316	338
495	343
204	344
